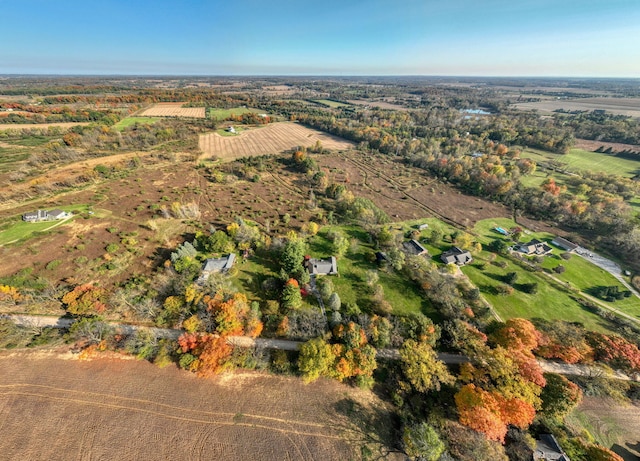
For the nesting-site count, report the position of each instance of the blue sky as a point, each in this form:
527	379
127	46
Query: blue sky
323	37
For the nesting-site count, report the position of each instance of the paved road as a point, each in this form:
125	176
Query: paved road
288	345
608	265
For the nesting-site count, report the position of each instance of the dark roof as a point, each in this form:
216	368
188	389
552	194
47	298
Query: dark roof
55	213
457	256
413	247
535	246
564	243
322	266
548	448
219	264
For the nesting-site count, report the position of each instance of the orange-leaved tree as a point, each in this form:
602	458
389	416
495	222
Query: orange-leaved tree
85	300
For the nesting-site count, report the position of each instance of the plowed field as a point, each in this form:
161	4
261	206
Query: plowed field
173	109
57	409
271	139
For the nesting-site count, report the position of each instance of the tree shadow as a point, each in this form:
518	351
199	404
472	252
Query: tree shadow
625	453
375	430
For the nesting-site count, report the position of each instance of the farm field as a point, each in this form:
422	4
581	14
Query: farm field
173	109
28	126
56	408
330	103
270	139
612	424
579	159
620	106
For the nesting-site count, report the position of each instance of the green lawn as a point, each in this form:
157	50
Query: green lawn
221	114
224	132
129	121
9	156
15	229
580	273
350	284
578	159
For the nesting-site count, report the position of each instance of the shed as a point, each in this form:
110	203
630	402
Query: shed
414	248
564	244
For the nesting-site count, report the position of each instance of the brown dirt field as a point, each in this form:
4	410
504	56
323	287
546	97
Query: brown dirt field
173	109
26	126
589	145
620	106
127	204
54	408
614	425
271	139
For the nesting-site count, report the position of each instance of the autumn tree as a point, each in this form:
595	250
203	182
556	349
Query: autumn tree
291	297
421	442
85	300
316	359
422	368
559	396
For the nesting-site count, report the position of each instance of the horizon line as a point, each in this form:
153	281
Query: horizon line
169	75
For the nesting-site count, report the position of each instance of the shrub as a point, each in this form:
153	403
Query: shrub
560	269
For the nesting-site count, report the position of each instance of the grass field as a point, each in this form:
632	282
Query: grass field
222	114
16	229
129	121
612	424
10	156
578	159
550	302
56	407
330	103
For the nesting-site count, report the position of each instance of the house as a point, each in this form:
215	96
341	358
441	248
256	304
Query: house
413	248
322	266
564	244
57	214
423	226
231	129
457	256
214	265
44	215
36	216
548	449
534	247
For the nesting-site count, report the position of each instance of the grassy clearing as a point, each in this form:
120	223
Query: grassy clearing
130	121
9	156
402	294
330	103
14	229
221	114
30	141
224	132
579	159
550	302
